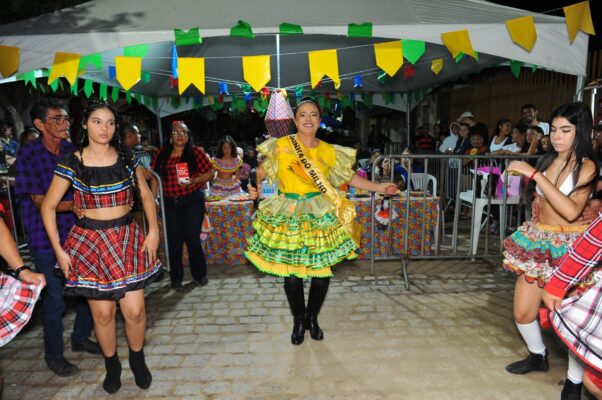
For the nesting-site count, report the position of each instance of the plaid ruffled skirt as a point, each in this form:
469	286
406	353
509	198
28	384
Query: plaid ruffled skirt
535	250
106	259
17	300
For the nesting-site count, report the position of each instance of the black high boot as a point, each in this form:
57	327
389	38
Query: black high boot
112	381
293	287
571	391
317	294
142	375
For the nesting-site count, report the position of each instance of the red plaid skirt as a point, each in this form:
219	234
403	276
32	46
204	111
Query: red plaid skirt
17	300
106	259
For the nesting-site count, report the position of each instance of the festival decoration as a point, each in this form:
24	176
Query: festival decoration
578	18
192	72
94	59
115	94
515	67
65	64
413	49
138	50
360	30
279	117
389	56
74	87
88	88
30	78
242	29
522	31
408	71
321	63
128	71
174	61
458	41
184	38
256	71
223	89
437	66
102	91
358	82
10	57
290	29
112	72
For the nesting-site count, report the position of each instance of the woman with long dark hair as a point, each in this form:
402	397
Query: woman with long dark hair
227	165
184	202
106	256
564	180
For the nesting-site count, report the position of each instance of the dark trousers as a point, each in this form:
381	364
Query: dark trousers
53	307
184	222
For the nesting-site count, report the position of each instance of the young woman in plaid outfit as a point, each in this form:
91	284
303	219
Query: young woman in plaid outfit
106	257
564	179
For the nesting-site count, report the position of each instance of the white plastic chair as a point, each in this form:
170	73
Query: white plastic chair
422	181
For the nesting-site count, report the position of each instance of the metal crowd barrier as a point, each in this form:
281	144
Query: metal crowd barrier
459	184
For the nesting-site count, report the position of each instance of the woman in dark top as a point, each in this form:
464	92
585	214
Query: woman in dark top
463	143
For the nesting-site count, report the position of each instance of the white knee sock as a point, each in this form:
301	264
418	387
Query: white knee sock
531	334
575	371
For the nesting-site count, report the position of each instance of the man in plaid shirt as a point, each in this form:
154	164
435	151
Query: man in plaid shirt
578	319
35	165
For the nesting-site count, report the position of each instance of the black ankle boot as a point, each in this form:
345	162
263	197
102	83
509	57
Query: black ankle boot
293	287
317	294
142	375
112	381
571	391
533	362
313	327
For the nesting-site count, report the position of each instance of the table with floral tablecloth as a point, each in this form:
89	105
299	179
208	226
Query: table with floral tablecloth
422	216
231	222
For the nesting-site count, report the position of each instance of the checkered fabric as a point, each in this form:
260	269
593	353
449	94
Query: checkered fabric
17	300
34	172
171	188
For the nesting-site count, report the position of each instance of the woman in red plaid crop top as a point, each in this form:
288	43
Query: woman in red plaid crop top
184	202
106	256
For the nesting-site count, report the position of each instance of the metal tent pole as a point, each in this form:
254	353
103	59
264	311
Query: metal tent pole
278	60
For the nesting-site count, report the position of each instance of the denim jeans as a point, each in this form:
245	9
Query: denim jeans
53	308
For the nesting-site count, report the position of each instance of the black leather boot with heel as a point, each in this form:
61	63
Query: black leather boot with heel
293	287
317	294
112	381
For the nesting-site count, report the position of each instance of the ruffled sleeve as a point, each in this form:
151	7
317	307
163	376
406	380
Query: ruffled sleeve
67	167
342	170
269	150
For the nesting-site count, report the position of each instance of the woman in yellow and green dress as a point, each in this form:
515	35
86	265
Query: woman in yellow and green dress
309	226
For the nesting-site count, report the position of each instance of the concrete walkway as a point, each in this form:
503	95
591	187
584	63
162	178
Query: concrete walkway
448	338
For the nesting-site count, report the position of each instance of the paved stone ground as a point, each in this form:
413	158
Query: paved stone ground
448	338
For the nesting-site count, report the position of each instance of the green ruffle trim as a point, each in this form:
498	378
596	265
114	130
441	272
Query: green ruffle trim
342	170
539	245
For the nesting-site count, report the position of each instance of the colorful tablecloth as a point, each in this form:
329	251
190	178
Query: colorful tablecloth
231	223
422	216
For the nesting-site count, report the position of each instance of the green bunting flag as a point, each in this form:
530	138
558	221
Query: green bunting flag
413	49
54	85
461	55
184	38
73	88
515	68
242	29
115	94
28	78
88	88
381	77
346	102
145	76
290	29
137	97
534	68
367	99
360	30
94	59
128	97
138	50
102	92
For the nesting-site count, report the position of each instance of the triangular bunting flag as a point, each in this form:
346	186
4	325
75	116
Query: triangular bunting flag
112	72
413	49
128	97
174	61
408	71
242	29
128	71
10	60
256	70
389	56
88	88
290	29
54	85
360	30
522	31
324	62
184	38
73	89
578	18
29	78
102	92
94	59
515	68
192	72
65	64
138	50
145	76
437	66
458	41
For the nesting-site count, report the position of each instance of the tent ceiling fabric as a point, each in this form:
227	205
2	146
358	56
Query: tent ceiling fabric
102	25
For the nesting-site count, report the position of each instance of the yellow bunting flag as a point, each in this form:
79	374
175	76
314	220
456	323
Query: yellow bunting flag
128	71
256	70
522	31
324	62
191	71
389	56
65	64
458	42
10	60
437	66
578	18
